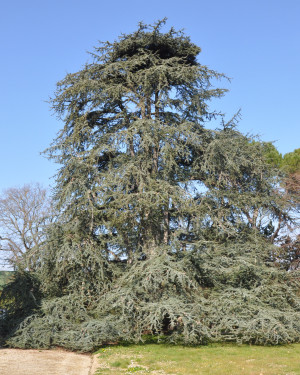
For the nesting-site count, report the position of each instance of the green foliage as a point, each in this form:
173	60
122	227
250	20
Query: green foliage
19	298
272	155
5	277
291	162
160	221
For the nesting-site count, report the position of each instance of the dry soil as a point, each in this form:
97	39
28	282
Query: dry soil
45	362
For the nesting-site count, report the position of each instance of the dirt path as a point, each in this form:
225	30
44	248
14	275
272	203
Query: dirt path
45	362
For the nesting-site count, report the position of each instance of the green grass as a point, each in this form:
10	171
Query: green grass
213	359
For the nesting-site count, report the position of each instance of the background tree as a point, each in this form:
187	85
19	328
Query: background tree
153	234
291	167
289	240
291	161
24	213
279	217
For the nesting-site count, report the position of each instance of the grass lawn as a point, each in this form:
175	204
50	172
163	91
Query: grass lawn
214	359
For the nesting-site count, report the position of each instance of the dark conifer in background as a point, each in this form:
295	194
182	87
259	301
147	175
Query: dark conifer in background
160	226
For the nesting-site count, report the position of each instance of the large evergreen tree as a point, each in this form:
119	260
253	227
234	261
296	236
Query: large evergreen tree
157	214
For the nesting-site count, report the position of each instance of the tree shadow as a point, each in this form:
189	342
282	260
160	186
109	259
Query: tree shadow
19	299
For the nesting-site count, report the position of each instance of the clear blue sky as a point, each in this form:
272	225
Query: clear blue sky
255	42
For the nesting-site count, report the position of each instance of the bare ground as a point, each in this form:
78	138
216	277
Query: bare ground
45	362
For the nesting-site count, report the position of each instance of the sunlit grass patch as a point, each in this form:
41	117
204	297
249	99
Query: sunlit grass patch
120	363
216	359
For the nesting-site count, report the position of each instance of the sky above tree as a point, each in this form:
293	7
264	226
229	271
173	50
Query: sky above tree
255	43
